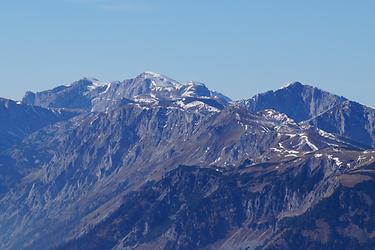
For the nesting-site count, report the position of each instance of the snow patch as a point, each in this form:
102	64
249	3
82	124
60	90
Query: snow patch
197	104
305	140
338	162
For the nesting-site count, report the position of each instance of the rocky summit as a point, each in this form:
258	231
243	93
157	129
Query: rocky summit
152	163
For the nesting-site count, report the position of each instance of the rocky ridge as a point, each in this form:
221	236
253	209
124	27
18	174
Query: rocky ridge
151	163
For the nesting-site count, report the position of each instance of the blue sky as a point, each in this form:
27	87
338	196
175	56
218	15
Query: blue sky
237	47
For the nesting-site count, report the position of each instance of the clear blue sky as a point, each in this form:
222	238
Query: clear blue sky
239	47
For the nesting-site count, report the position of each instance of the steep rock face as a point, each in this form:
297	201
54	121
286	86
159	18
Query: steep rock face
154	87
118	176
98	156
197	205
92	158
78	95
91	94
260	206
341	221
300	102
19	120
349	119
321	109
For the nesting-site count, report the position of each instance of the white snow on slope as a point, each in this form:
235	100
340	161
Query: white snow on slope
305	140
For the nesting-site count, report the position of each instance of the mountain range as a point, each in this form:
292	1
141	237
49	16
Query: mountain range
152	163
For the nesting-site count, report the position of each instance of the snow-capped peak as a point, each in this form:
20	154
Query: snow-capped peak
94	83
158	80
88	81
195	83
150	73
